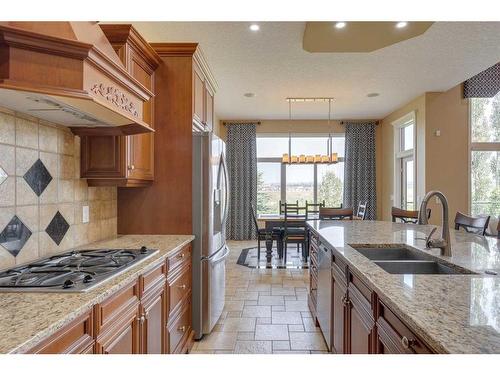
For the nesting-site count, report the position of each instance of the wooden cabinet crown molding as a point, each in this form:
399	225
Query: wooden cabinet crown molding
128	34
174	49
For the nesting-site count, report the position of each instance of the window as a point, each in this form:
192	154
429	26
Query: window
485	156
297	182
404	162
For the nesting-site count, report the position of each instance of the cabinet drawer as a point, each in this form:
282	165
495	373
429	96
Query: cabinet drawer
395	335
180	257
152	278
74	338
178	288
363	292
108	311
179	328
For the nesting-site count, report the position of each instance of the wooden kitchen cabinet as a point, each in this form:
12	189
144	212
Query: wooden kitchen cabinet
339	297
361	322
118	320
359	318
75	337
203	100
154	321
312	297
393	336
126	161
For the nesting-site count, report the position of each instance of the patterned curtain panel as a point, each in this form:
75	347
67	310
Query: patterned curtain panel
483	85
359	168
242	169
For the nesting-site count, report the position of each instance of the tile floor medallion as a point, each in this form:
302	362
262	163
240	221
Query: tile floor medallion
248	258
266	311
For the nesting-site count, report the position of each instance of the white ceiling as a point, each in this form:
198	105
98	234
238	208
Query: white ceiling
272	64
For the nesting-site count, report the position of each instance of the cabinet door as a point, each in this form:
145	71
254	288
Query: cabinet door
198	98
339	290
360	327
209	110
140	156
122	337
74	338
152	328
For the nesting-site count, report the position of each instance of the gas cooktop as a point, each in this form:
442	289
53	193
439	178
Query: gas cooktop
74	271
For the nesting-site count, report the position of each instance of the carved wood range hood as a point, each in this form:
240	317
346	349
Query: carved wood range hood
68	73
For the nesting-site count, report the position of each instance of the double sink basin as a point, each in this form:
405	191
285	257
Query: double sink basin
403	260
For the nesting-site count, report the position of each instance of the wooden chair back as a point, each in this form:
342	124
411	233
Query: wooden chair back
477	225
407	216
254	217
312	209
291	207
361	212
329	213
498	228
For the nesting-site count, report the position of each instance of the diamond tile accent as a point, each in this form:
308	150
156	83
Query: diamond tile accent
57	228
3	175
14	236
38	177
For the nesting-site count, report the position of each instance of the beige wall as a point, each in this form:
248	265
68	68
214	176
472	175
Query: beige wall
23	140
441	161
447	155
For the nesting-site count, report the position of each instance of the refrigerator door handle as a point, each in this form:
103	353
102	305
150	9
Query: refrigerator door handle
221	258
226	192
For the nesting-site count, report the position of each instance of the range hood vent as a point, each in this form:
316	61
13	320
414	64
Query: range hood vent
68	73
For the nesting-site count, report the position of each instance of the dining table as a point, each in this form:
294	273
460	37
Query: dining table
278	221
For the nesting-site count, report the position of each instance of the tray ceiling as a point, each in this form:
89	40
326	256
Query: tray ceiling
272	64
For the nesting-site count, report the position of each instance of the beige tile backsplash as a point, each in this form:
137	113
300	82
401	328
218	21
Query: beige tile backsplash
23	140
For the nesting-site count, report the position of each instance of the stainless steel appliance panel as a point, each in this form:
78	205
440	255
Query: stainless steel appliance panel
324	303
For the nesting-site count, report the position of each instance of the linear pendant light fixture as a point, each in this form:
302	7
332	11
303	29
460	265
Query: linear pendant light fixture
330	157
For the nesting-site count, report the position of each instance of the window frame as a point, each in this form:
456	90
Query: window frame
283	166
401	156
476	146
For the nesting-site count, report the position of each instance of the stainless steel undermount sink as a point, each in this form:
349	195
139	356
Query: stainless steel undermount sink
421	268
390	253
404	260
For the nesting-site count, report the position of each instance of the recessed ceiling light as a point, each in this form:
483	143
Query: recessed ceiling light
340	25
373	94
254	27
401	24
249	95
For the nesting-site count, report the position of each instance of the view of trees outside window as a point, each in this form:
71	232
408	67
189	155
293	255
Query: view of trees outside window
299	184
485	156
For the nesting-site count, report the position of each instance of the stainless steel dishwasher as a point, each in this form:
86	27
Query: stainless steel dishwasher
324	303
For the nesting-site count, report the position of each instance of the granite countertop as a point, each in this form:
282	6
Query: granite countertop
452	313
28	318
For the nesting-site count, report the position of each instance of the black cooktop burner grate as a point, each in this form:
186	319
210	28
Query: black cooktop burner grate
78	270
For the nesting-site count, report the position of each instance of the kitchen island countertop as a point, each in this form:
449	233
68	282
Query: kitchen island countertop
452	313
28	318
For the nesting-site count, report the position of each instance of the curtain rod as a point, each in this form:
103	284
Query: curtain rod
240	122
342	122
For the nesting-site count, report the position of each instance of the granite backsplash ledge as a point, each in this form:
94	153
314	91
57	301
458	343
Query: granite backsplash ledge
42	195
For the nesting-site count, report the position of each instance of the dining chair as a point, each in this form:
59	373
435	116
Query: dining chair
263	233
293	207
294	230
361	212
476	225
312	210
407	216
330	213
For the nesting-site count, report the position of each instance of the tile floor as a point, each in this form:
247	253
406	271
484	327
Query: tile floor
265	313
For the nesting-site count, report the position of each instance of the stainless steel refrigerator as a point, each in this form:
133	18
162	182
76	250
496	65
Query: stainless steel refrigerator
210	212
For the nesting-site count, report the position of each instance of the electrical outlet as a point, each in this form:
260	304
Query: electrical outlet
85	214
